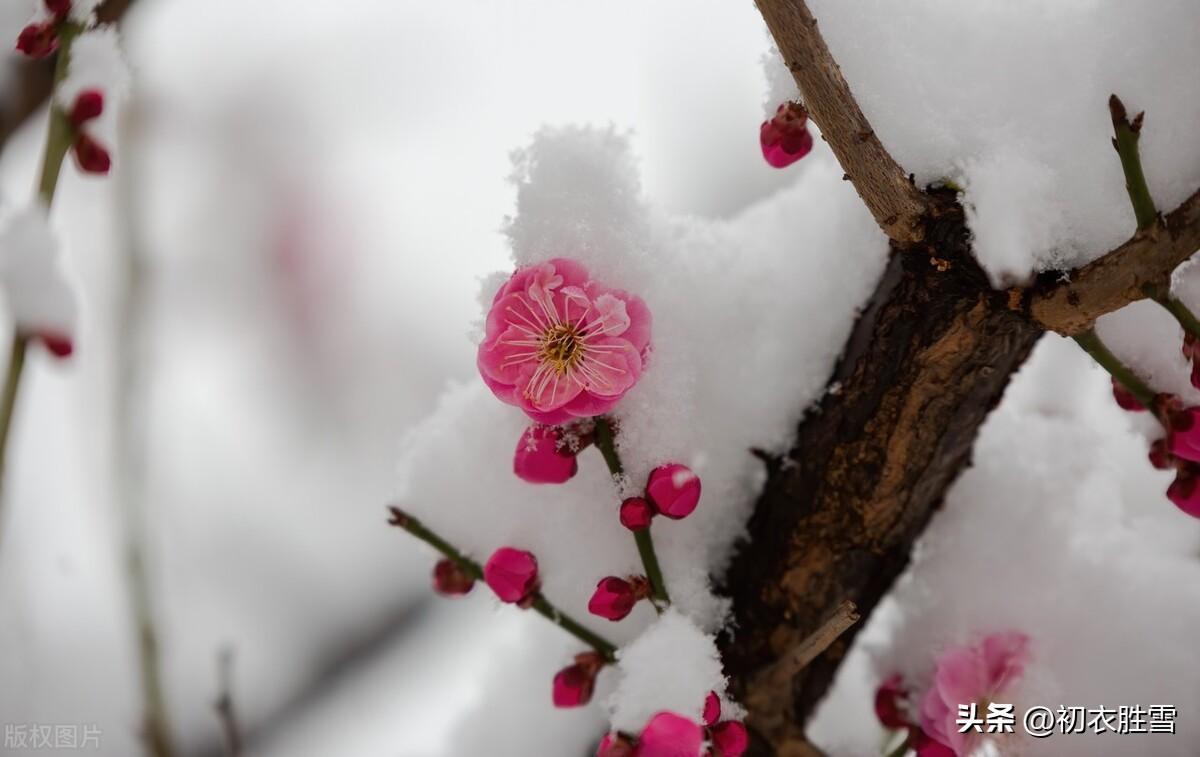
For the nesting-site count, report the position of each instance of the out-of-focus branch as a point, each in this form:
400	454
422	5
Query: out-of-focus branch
30	81
231	732
897	205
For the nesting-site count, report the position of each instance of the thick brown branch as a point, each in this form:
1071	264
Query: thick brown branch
1120	277
925	364
897	205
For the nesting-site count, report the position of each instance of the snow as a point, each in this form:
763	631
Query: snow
97	63
672	666
39	296
957	90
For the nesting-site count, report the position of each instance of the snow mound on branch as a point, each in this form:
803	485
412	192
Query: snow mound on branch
97	63
749	317
672	666
1010	100
39	295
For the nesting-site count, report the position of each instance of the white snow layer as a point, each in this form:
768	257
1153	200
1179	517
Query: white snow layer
1010	99
35	286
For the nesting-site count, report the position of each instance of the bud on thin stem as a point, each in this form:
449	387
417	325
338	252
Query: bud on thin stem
1093	346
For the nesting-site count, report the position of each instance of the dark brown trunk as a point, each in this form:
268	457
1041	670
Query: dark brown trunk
926	362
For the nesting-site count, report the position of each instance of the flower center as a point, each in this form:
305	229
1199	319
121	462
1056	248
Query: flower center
562	347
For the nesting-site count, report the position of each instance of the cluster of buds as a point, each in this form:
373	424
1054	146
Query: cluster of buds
39	39
547	454
1179	450
672	491
89	153
785	138
668	734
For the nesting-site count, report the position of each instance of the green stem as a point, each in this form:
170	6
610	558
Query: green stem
1173	305
1093	346
58	142
901	749
1126	144
543	606
606	443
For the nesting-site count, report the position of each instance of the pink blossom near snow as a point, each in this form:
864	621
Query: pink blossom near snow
561	346
97	63
38	40
1125	399
670	735
615	598
729	737
542	457
512	574
450	580
636	513
615	745
674	489
88	105
39	296
971	674
1183	431
90	155
1184	492
573	685
785	137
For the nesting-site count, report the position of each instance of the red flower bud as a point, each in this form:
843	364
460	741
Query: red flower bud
573	684
512	574
785	138
614	597
91	156
542	458
1160	457
450	580
674	490
887	703
38	40
1185	493
89	104
615	745
729	738
712	709
57	344
636	514
1125	399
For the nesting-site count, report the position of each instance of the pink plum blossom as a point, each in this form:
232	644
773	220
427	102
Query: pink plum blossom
512	574
670	735
729	737
971	674
674	490
785	138
559	345
541	456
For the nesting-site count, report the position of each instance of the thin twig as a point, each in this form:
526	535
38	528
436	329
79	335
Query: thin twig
1125	142
897	205
606	443
1124	375
231	732
539	603
799	656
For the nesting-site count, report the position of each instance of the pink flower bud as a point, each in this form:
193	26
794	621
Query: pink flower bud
573	684
674	490
670	735
57	344
38	40
712	709
636	514
615	745
785	138
89	104
1196	374
1185	492
614	597
730	738
887	703
1183	430
1160	457
1125	399
91	156
541	457
450	580
512	574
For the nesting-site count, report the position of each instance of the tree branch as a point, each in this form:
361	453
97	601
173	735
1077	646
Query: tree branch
897	205
1122	276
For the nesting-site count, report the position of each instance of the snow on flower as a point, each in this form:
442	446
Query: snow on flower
975	674
674	490
42	302
561	346
96	64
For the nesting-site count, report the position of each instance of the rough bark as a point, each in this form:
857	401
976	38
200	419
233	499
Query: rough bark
926	362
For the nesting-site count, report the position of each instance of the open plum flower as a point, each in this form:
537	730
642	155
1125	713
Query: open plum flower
971	674
559	345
